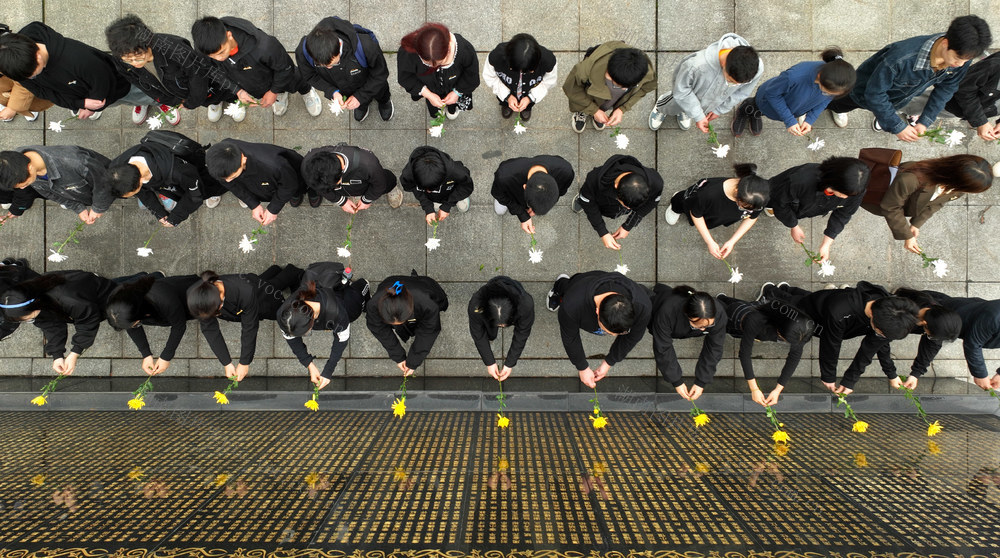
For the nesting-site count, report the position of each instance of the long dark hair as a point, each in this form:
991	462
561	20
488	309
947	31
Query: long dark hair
837	75
203	297
431	42
295	317
127	304
698	305
26	297
396	304
969	174
752	190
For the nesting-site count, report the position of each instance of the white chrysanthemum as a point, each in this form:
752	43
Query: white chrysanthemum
232	110
143	252
343	252
247	245
954	138
519	128
534	255
940	268
56	126
436	131
826	268
721	151
816	145
154	123
736	277
432	244
57	257
335	108
621	140
622	268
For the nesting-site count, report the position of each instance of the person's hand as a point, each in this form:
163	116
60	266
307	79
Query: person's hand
493	370
522	105
986	131
450	98
258	213
165	223
84	114
726	249
161	366
824	253
241	371
339	99
695	392
7	112
528	227
920	129
711	116
843	390
682	390
772	398
85	217
93	105
601	117
587	377
757	396
314	374
909	133
349	207
531	212
798	235
832	386
430	218
360	206
995	382
896	382
620	234
268	99
245	97
796	130
914	231
703	125
65	366
609	242
230	371
406	371
512	104
352	103
268	218
505	373
602	371
911	245
442	215
148	365
713	248
911	382
616	117
433	98
983	383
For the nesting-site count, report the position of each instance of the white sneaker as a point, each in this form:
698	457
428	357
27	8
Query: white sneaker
840	119
501	209
671	217
395	197
463	205
95	116
280	105
139	114
5	119
996	169
213	202
769	211
215	112
656	117
243	205
683	121
314	106
4	206
33	117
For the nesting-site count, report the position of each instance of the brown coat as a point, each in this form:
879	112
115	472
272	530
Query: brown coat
19	99
585	87
908	197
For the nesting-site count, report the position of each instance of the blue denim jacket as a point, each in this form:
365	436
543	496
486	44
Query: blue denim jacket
889	80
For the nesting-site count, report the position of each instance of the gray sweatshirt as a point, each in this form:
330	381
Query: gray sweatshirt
700	86
76	177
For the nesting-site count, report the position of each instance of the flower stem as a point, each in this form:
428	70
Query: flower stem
848	411
502	399
773	416
713	138
814	257
350	225
908	393
150	239
533	241
729	267
72	237
597	404
143	389
435	229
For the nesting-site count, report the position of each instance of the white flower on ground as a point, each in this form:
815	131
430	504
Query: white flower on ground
954	138
335	108
57	257
621	140
143	252
247	245
56	126
519	128
232	110
621	268
721	151
736	277
826	268
816	145
154	123
534	255
436	131
432	244
343	252
940	268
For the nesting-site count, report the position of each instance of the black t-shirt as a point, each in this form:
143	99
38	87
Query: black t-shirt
707	199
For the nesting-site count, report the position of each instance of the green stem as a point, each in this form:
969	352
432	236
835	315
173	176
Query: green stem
713	138
729	267
695	411
150	239
402	388
51	386
435	229
533	241
502	399
350	225
233	384
142	390
814	257
771	414
72	237
848	411
908	393
597	403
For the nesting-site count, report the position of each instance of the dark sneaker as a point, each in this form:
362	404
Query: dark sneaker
296	201
386	110
505	111
741	117
526	114
756	123
361	113
579	121
577	205
553	300
315	200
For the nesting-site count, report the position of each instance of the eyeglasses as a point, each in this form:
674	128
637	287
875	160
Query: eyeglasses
133	59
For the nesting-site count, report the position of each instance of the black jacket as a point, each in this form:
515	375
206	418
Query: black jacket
462	76
523	319
262	64
79	301
166	303
429	300
271	175
364	176
512	174
248	300
349	77
927	349
980	328
669	322
598	194
578	311
74	72
977	95
755	321
796	194
515	79
456	187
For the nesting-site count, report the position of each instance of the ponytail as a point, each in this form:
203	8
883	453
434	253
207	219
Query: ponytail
203	297
836	75
752	190
396	304
127	303
295	317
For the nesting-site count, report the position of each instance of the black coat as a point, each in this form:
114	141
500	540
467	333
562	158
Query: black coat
74	72
249	299
166	304
349	77
797	194
980	328
271	175
599	199
512	174
429	300
668	322
262	64
461	76
516	79
79	301
756	321
364	176
523	319
977	95
456	187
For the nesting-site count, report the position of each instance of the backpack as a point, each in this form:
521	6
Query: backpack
359	52
178	144
331	275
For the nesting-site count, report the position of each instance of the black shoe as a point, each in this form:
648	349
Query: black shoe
741	117
386	110
577	205
361	113
296	201
554	299
526	114
452	109
756	123
314	199
505	111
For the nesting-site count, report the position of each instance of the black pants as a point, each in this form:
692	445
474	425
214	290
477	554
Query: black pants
280	279
843	104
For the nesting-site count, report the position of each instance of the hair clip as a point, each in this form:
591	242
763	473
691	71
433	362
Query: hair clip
398	286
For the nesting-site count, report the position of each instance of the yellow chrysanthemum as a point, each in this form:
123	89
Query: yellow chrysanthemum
312	404
599	469
221	398
860	460
701	419
221	479
136	403
599	422
135	474
38	480
780	436
502	421
503	465
597	410
312	479
860	426
399	475
934	428
780	449
933	447
702	467
40	400
399	407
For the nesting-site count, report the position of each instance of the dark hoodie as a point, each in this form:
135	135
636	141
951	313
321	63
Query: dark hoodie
363	176
79	301
523	319
598	195
797	194
980	328
271	175
977	95
262	64
669	323
349	77
456	187
166	302
429	300
511	176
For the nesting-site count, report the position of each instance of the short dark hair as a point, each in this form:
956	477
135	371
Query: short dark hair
428	169
541	192
203	299
742	63
627	66
968	36
617	314
208	34
13	169
523	53
323	44
633	189
128	35
123	179
895	316
223	159
18	56
698	305
752	190
322	169
847	175
943	324
499	310
395	307
127	303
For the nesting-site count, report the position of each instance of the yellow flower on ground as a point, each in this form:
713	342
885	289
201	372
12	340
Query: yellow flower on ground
312	479
221	398
38	480
599	422
40	400
221	479
600	468
702	467
780	449
701	419
135	474
597	410
399	475
860	460
860	426
934	428
780	436
502	421
312	404
933	447
503	465
399	407
136	403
